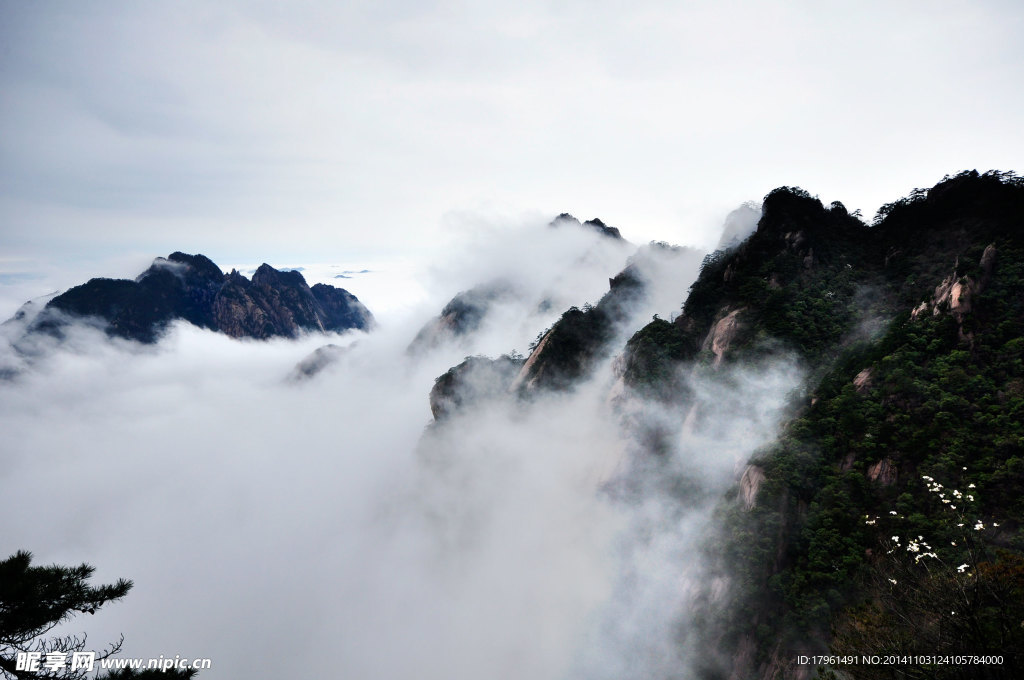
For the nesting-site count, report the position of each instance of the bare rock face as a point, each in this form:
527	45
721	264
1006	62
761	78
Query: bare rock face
572	346
960	297
528	375
722	334
862	381
988	258
750	484
794	240
956	293
743	658
272	304
341	309
941	295
194	289
884	472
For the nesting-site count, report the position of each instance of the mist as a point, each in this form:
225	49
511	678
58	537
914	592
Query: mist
326	528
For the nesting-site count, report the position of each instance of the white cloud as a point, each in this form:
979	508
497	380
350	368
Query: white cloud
329	126
272	526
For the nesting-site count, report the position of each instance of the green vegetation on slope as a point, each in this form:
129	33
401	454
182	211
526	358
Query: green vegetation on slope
896	397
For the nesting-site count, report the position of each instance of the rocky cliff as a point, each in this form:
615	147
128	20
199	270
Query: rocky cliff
910	332
565	219
475	380
569	350
194	289
461	316
908	336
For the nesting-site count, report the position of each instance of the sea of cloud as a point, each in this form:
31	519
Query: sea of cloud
323	528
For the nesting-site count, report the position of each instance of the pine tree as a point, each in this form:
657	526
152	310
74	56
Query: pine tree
34	600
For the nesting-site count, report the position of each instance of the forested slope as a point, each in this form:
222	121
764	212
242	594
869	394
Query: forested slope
886	517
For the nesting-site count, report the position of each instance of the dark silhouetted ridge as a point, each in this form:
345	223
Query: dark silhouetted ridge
194	289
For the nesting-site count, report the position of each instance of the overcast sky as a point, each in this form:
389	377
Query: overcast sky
341	131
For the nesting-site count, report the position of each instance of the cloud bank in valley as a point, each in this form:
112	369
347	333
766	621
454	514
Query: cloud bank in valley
273	526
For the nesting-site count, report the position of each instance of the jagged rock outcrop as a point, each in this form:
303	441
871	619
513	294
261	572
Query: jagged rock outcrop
341	309
528	374
721	335
469	310
862	381
602	228
594	224
474	381
461	316
953	295
750	484
580	337
316	362
194	289
800	258
884	472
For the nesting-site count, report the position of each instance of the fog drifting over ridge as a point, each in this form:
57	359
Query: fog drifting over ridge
272	526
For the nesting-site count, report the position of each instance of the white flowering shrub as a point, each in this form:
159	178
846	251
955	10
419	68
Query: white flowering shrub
951	593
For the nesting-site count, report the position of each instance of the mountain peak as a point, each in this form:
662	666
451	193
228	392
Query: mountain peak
602	228
194	289
595	224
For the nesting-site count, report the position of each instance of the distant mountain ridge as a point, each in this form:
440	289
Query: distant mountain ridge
192	288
